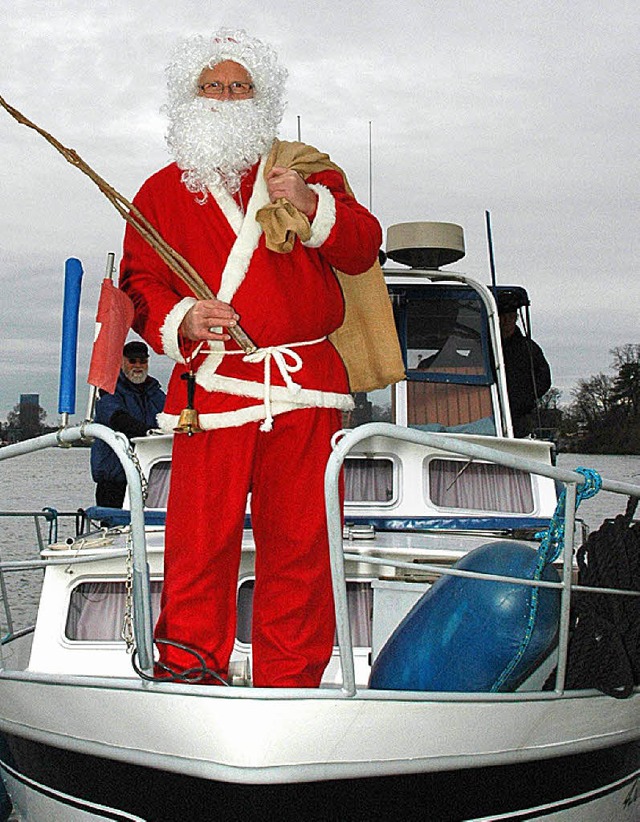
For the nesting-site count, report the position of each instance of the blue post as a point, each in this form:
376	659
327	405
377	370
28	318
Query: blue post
72	287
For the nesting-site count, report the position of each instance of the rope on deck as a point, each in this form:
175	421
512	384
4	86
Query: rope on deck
604	644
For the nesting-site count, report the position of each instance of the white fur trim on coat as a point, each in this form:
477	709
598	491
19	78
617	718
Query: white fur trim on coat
248	231
247	241
239	258
228	206
304	397
230	419
169	330
325	217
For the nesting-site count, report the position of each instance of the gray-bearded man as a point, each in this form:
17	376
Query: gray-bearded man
132	409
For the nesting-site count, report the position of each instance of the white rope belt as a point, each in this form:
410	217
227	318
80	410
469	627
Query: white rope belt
287	361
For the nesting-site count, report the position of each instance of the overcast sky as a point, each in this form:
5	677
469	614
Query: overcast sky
528	110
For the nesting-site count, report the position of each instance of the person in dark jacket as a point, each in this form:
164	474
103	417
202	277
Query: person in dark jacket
526	368
131	409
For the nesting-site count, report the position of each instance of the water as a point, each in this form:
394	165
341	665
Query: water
57	478
624	468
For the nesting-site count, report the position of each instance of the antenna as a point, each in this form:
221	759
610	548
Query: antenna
370	171
299	138
492	264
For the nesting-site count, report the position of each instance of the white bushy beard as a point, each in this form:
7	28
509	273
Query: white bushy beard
216	141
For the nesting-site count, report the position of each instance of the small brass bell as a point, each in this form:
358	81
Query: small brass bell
188	422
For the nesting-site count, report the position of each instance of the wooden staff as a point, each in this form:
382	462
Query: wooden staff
132	215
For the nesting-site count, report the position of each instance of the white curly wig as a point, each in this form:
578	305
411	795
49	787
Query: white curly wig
194	54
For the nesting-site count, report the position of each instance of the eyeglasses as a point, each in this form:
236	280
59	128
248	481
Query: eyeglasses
138	360
217	89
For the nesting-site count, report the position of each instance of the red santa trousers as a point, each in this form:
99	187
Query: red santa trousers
293	612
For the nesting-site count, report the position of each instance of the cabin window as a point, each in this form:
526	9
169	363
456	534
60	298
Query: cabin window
372	406
368	480
479	486
96	610
158	484
359	599
444	336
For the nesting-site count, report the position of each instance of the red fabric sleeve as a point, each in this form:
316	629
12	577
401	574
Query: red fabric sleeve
356	237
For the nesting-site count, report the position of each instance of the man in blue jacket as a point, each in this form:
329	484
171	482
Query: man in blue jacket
131	409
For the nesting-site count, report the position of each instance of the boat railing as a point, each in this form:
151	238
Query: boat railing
345	441
49	516
65	437
46	516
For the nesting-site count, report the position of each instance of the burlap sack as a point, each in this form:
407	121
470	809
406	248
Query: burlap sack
367	340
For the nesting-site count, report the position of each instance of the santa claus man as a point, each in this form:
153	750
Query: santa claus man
268	418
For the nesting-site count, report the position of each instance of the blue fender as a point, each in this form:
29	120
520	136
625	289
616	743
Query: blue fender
463	634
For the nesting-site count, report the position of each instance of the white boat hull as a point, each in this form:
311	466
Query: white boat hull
468	757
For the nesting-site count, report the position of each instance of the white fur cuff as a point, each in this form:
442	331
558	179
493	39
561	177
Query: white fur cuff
169	330
325	217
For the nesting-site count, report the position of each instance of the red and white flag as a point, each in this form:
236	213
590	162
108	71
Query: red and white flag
113	321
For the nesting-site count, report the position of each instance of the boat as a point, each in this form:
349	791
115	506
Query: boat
453	692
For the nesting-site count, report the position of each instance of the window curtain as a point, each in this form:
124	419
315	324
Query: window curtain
479	486
158	486
96	610
368	480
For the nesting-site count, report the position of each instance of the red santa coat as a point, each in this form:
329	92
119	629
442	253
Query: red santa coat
282	299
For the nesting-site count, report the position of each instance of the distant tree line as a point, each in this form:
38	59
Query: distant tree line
23	423
604	414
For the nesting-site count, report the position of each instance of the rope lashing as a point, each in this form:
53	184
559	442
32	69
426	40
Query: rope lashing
553	538
287	362
550	548
277	353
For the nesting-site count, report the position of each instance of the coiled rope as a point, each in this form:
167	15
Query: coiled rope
604	644
198	674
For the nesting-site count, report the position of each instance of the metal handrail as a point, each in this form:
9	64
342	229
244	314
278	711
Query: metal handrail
4	598
49	515
142	619
345	441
